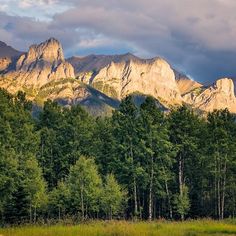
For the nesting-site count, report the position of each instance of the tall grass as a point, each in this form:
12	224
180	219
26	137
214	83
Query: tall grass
159	228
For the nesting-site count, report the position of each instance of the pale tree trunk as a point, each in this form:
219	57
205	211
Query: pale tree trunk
35	214
134	183
150	205
135	198
215	188
223	192
181	176
168	198
218	198
59	213
110	214
181	180
82	201
30	214
167	192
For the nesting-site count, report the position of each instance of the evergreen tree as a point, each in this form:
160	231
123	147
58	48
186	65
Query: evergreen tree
127	164
8	177
185	133
156	152
221	149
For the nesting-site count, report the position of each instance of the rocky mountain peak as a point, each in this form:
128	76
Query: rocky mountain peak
220	95
226	86
48	52
41	64
152	77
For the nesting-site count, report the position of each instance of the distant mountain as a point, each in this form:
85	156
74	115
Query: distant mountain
8	51
100	82
7	55
97	62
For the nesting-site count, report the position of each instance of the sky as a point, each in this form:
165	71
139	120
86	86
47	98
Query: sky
195	36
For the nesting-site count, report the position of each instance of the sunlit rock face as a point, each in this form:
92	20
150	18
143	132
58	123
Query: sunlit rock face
42	73
103	81
218	96
152	77
41	64
4	63
185	84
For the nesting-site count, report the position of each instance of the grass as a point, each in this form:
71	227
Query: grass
121	228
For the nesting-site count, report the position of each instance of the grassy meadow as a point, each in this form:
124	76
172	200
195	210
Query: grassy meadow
158	228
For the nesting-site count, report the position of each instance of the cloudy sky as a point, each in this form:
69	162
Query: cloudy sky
196	36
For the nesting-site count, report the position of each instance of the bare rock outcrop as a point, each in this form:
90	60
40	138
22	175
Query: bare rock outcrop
185	84
218	96
41	64
4	63
152	77
43	73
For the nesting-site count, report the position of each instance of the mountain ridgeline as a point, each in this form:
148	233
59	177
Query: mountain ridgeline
100	82
139	162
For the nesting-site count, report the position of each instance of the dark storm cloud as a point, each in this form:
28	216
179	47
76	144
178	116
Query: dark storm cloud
197	36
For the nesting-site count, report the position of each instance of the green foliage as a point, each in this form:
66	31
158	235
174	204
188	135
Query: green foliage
106	88
112	197
85	186
170	165
59	199
8	176
182	202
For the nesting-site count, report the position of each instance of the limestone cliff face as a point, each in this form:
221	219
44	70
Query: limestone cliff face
4	63
41	64
153	77
45	54
44	74
185	84
218	96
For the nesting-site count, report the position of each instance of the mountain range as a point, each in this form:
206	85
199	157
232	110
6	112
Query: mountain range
100	82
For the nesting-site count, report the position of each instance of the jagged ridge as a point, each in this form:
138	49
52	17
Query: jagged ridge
43	73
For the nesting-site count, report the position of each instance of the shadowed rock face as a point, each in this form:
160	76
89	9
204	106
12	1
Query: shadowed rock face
218	96
8	52
94	63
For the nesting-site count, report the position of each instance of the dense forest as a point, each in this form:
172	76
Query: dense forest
140	163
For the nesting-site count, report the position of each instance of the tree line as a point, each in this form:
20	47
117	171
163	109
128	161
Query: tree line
140	163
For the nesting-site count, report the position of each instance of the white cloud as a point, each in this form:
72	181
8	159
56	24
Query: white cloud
192	34
3	7
39	3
